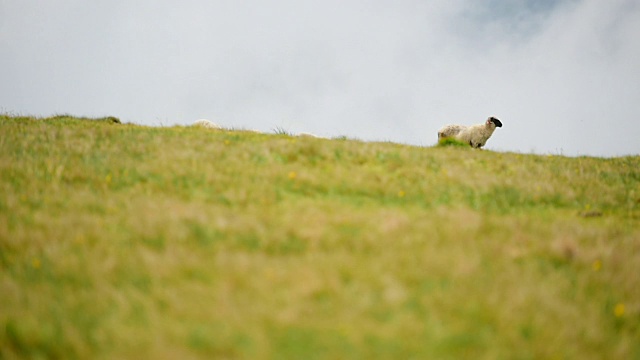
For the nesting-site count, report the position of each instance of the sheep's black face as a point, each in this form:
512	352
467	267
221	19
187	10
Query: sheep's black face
495	121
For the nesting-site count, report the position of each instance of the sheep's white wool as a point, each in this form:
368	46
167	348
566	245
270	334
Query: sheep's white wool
475	135
206	124
450	131
306	134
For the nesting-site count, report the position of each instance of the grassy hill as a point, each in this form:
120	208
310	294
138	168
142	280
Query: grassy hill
124	241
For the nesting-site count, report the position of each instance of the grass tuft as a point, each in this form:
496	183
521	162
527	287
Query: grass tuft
281	131
451	142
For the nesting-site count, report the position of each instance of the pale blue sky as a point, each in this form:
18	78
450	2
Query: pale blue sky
561	75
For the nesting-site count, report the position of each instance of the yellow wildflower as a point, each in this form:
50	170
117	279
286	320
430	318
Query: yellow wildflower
618	311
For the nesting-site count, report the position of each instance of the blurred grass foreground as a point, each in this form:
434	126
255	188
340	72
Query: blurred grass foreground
124	241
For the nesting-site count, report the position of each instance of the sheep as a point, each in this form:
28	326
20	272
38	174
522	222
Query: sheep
309	135
475	135
206	124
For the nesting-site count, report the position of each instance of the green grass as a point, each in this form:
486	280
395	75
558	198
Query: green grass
124	241
451	142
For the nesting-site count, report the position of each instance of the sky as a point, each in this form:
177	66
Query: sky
563	76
